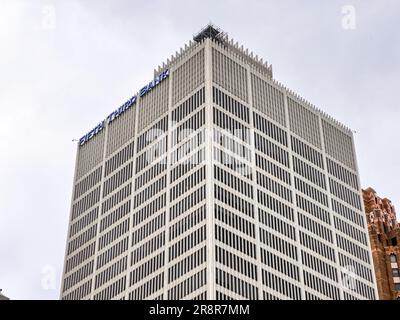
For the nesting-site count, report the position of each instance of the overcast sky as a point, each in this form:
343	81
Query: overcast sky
65	65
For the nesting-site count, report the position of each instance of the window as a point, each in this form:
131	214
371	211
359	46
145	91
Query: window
395	272
393	258
397	286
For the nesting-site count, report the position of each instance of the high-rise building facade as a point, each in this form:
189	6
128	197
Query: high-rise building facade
217	182
384	232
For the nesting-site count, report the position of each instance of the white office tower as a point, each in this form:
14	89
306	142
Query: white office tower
217	182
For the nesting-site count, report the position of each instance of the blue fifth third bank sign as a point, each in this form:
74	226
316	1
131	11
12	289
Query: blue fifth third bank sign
115	114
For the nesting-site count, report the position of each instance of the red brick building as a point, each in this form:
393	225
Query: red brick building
384	232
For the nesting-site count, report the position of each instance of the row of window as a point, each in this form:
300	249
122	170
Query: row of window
148	288
229	75
277	224
275	205
116	232
231	105
112	290
222	296
187	222
112	253
308	172
350	230
84	221
348	214
236	285
274	186
311	191
355	285
232	163
116	198
234	127
233	181
201	296
307	152
268	99
317	246
84	237
153	133
119	159
352	248
271	150
235	241
187	202
187	264
115	215
272	168
350	197
82	255
188	106
322	267
341	173
117	179
233	201
188	127
270	129
192	141
187	183
88	182
85	203
359	269
185	166
188	242
151	154
111	272
315	227
147	248
147	268
313	209
188	286
269	296
278	244
151	190
281	285
226	140
149	209
148	229
280	264
234	220
236	263
79	293
78	276
148	175
320	285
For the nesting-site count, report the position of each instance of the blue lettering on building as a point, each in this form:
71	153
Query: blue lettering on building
115	114
154	83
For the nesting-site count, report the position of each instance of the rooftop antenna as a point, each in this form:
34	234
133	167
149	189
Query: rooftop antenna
210	31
